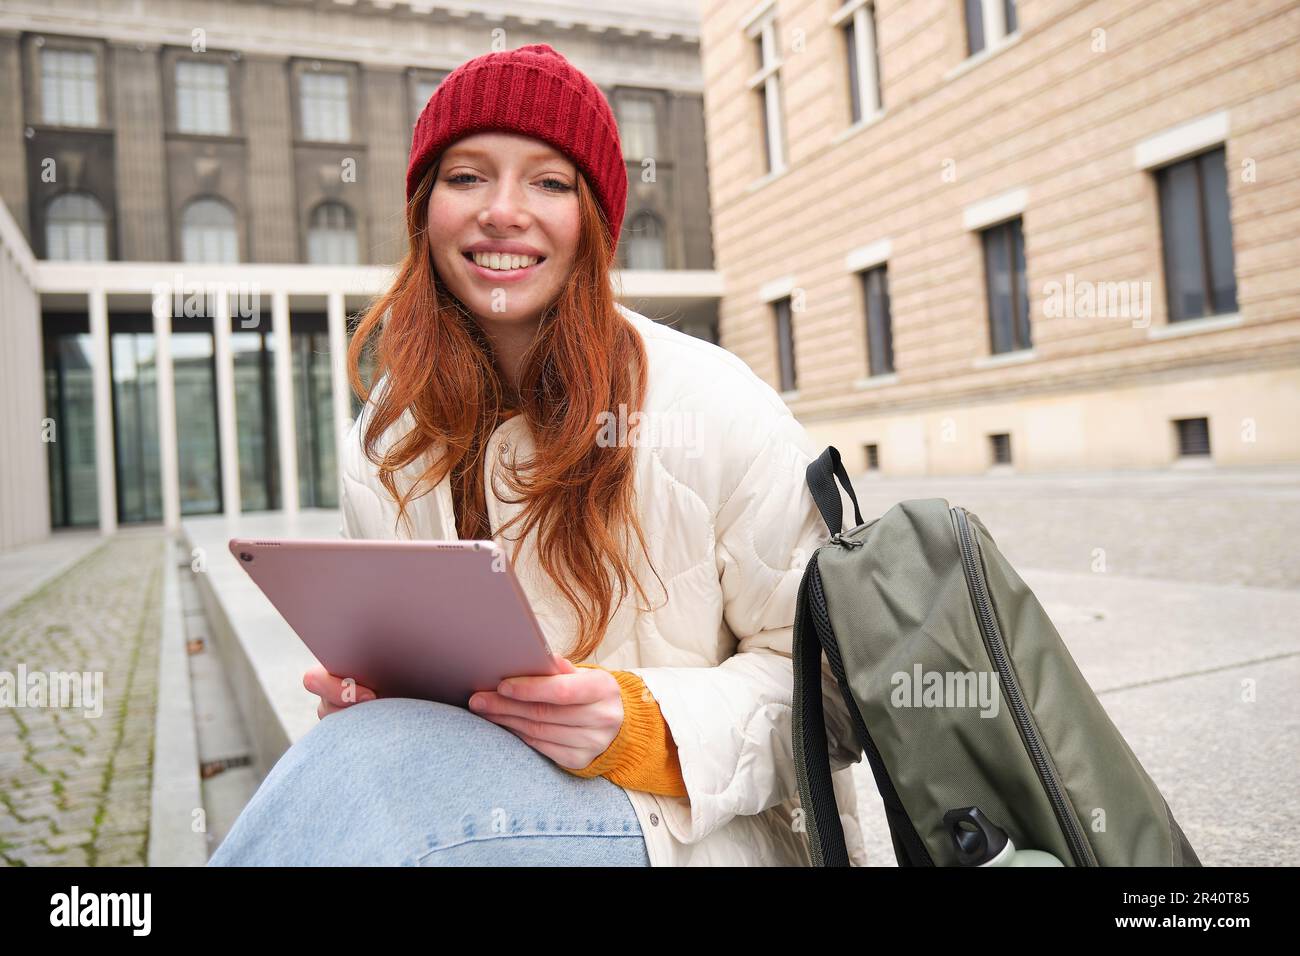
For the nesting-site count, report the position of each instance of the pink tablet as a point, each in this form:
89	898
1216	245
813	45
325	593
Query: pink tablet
437	620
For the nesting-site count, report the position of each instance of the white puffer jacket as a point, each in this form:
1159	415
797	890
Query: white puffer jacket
730	525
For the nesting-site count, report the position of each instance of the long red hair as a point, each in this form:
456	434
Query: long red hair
586	359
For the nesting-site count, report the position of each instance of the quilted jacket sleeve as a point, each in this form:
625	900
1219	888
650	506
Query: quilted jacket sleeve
361	513
732	723
349	519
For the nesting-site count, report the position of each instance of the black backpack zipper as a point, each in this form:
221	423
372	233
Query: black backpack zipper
1065	814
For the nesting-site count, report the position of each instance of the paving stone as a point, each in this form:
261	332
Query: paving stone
63	841
63	770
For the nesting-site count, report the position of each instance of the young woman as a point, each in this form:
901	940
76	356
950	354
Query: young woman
648	487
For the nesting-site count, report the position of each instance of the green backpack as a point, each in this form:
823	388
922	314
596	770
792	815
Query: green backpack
918	614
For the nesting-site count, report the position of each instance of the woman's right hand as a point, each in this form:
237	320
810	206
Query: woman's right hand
335	693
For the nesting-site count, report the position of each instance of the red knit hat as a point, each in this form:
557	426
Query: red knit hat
536	92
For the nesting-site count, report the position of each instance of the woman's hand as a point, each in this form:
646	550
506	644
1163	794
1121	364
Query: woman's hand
571	717
335	692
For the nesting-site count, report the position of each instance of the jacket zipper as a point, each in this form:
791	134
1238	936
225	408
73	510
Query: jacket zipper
997	650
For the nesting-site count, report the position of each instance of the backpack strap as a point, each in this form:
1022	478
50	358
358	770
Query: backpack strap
821	475
811	756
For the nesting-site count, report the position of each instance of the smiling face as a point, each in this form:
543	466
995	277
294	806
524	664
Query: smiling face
502	196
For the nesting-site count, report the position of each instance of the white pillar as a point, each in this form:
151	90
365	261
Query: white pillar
338	376
105	457
284	406
226	405
166	401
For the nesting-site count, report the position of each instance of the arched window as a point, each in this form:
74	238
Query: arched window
208	232
76	228
645	242
332	236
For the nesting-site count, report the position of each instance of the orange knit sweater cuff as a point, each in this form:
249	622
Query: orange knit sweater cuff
644	755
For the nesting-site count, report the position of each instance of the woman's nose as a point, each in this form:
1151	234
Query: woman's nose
506	204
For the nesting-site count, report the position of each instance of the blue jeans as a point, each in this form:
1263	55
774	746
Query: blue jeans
404	782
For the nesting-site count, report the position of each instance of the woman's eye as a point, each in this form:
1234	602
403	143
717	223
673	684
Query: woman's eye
551	183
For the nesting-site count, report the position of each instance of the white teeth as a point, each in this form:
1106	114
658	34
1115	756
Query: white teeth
503	262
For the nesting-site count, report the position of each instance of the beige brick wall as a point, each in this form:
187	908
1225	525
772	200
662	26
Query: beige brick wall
1055	114
1251	417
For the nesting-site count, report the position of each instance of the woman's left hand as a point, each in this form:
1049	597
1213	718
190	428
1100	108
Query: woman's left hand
571	717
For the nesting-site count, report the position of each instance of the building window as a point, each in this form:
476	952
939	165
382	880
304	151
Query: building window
202	98
873	457
1008	294
69	88
208	232
880	331
326	114
76	229
332	236
858	25
1193	436
785	344
645	242
1001	448
766	84
1200	278
70	401
638	126
425	86
988	22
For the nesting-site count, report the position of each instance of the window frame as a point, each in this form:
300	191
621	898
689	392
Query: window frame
236	229
351	228
1020	318
631	239
995	447
1203	245
105	222
416	79
783	313
1182	438
862	59
765	82
995	24
45	47
878	365
209	61
649	99
318	68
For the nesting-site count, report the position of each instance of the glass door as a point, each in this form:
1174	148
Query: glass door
255	422
132	357
198	449
70	404
314	413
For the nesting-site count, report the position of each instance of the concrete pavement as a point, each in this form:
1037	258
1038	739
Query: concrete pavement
1178	595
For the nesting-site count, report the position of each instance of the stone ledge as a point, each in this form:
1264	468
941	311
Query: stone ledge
175	790
262	656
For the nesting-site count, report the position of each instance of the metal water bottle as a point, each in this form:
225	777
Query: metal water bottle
981	842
